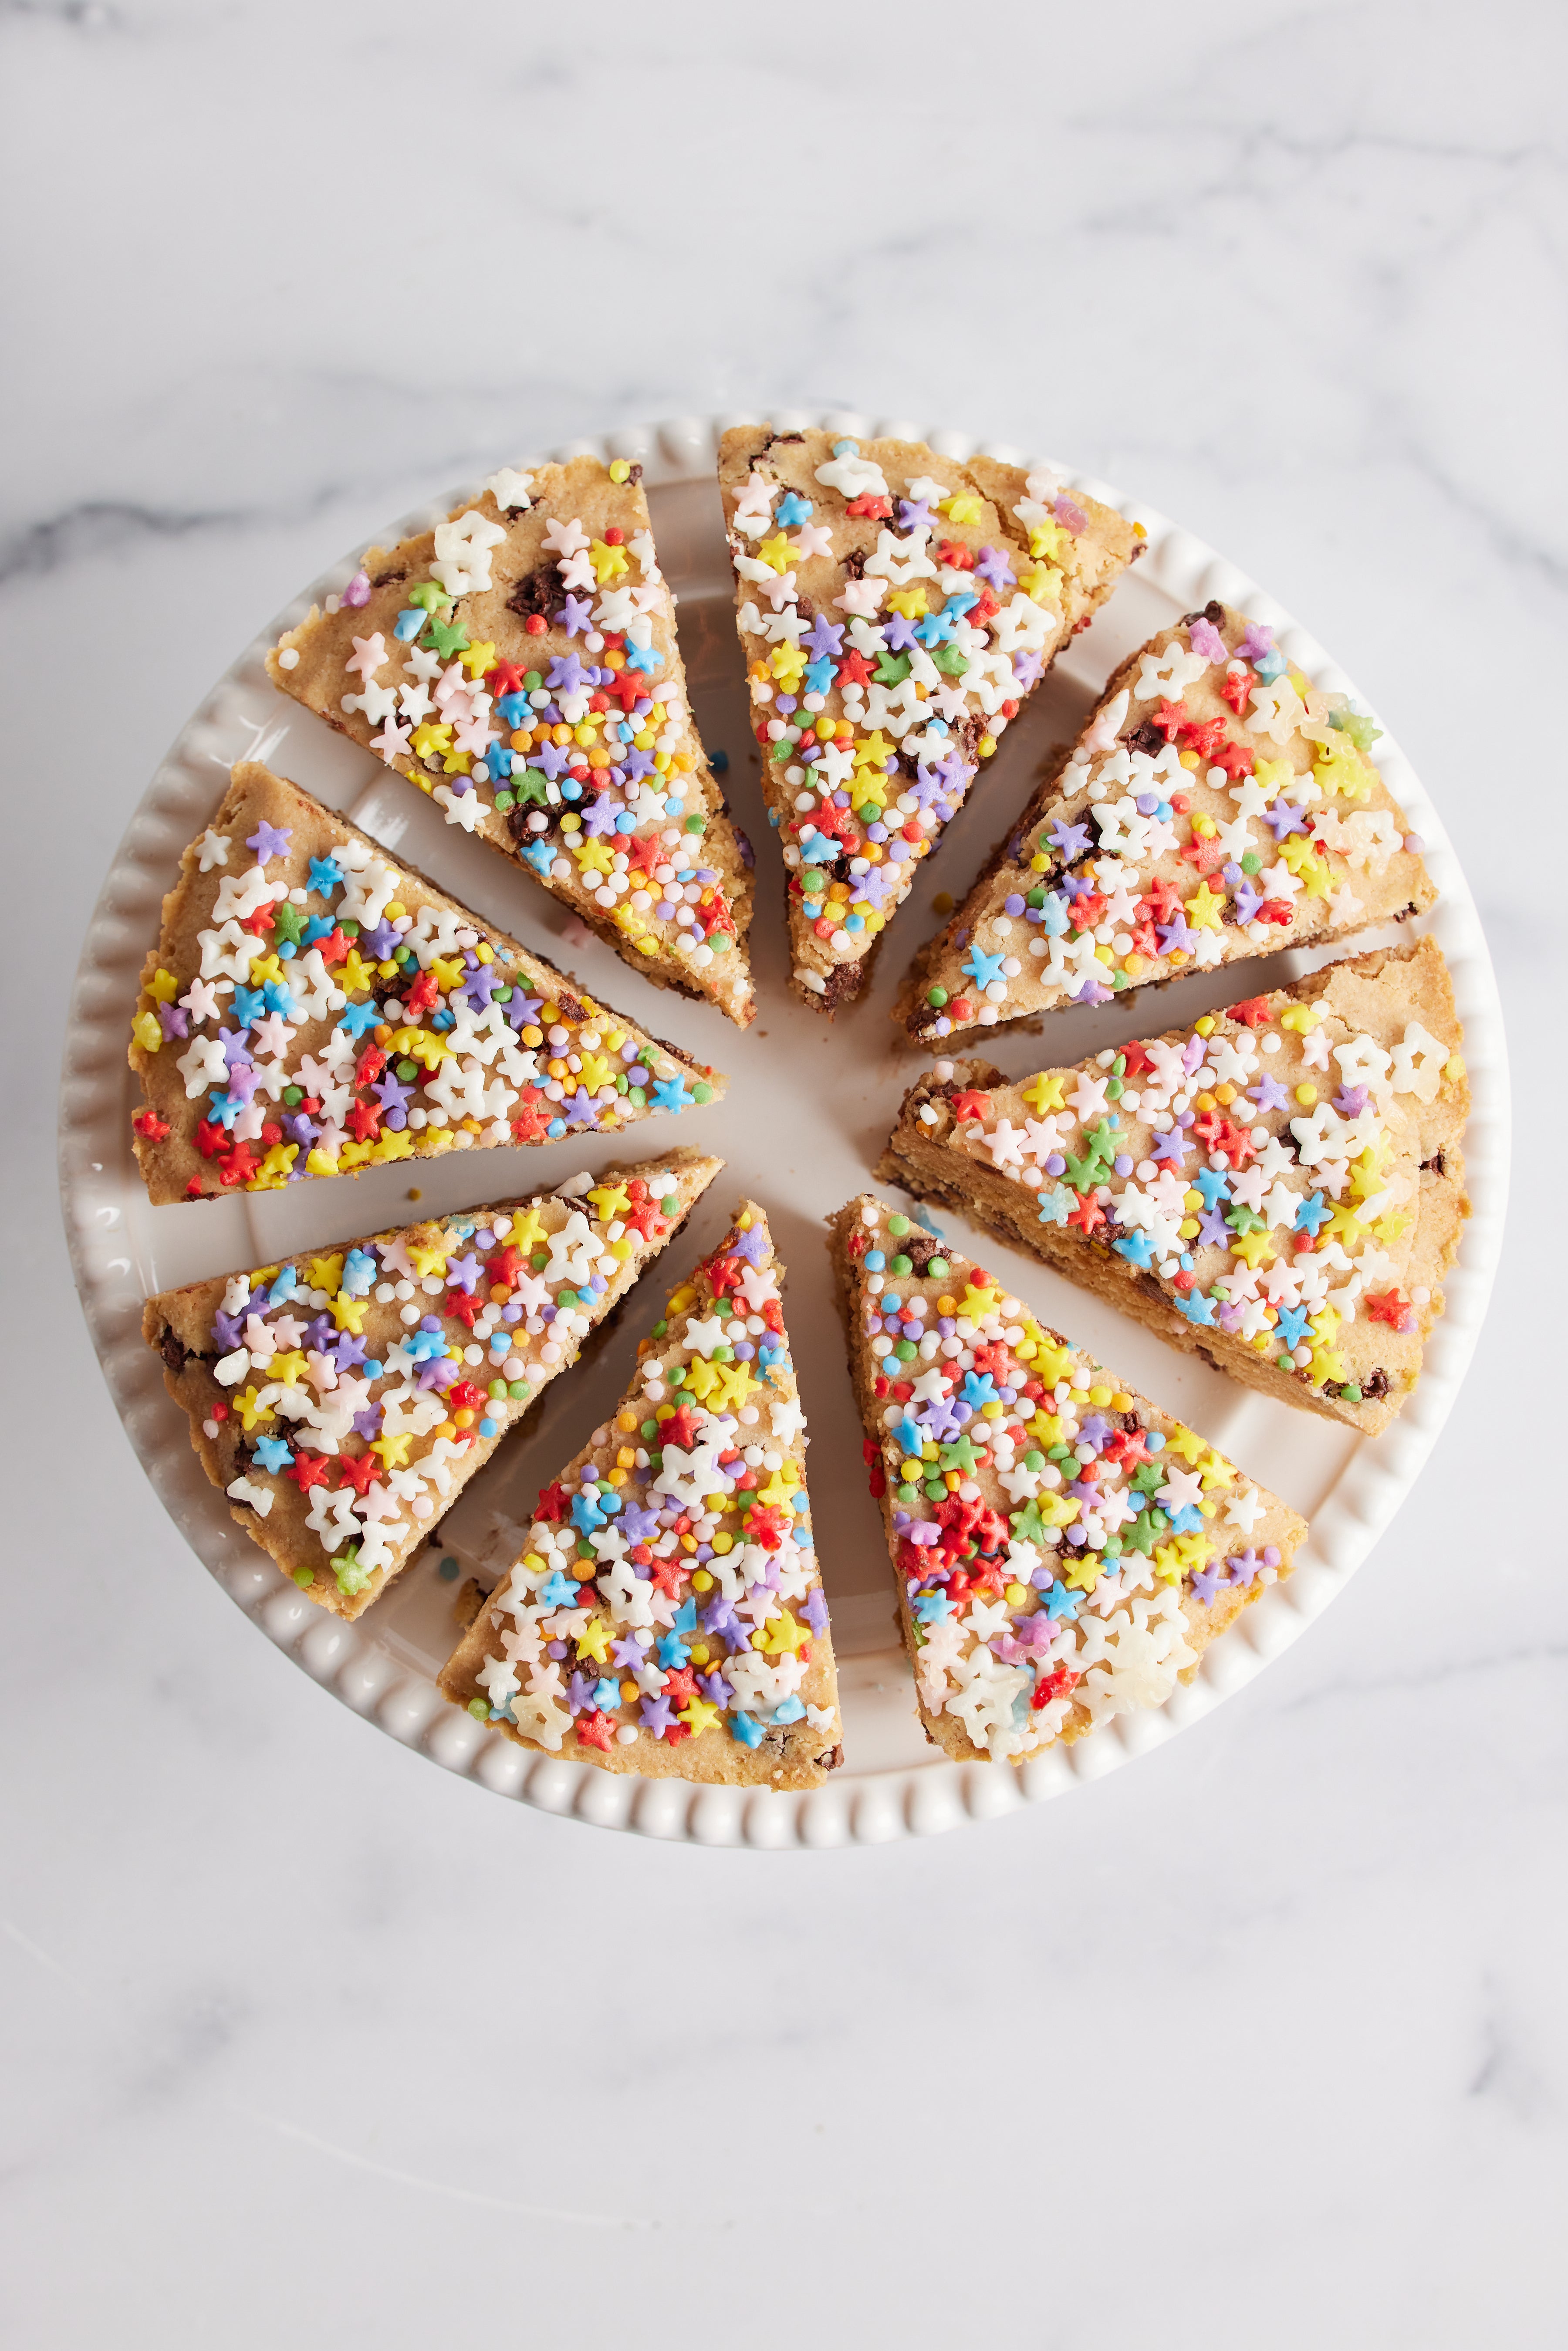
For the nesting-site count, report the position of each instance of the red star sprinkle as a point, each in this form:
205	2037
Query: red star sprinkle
1388	1306
1235	758
358	1472
1203	735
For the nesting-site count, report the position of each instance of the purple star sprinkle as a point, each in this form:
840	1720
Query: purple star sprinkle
1285	818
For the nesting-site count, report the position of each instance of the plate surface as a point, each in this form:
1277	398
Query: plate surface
809	1105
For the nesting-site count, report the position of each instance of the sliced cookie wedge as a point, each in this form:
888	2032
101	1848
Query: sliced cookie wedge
343	1399
1064	1551
895	608
519	663
667	1616
1280	1189
313	1006
1217	807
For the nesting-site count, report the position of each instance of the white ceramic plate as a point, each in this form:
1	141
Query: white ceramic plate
809	1108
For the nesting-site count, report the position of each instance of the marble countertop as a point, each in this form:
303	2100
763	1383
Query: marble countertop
1260	2042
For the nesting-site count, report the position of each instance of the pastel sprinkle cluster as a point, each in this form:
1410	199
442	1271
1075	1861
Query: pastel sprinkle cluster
1218	806
327	1027
1047	1524
587	754
669	1591
484	1313
879	707
1263	1168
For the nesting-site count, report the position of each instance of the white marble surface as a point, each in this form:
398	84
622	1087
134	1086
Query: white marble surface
1260	2042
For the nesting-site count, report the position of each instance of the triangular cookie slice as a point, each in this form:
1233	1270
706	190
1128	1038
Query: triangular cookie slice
895	608
667	1616
1280	1189
1064	1551
519	663
314	1007
343	1400
1216	807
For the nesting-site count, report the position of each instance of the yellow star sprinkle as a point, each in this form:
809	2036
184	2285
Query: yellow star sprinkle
734	1385
1044	1094
251	1409
1045	540
698	1716
593	1641
1051	1363
703	1377
1253	1249
874	750
1217	1473
528	1231
784	1633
